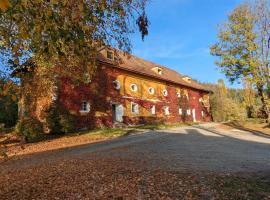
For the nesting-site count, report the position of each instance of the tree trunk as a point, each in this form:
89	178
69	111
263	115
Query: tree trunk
265	110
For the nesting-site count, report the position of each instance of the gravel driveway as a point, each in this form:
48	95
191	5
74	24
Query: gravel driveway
200	148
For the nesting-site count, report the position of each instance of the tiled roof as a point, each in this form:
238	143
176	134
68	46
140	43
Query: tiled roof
140	66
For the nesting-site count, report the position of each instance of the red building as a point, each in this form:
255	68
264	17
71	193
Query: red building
132	91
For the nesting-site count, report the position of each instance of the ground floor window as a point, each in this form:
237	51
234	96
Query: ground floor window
188	112
85	107
180	111
166	110
134	108
153	110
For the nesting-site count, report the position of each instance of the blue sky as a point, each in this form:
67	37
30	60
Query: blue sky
181	33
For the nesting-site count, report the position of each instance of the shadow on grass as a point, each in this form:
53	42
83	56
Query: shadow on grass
240	126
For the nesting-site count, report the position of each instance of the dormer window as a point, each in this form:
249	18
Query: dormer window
159	70
187	79
110	55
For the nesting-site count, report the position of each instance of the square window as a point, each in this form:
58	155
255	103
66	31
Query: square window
85	107
110	55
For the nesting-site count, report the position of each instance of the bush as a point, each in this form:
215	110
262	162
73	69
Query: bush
30	129
59	120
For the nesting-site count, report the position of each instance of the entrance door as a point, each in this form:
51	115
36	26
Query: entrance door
194	115
118	112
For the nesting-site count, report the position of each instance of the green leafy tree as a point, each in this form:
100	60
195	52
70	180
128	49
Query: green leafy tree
68	32
243	47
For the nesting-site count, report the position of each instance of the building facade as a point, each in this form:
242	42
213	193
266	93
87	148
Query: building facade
126	90
134	92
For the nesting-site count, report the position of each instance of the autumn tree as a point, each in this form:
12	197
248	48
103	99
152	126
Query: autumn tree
243	47
68	32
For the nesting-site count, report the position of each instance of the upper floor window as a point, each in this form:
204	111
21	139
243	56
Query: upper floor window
178	94
165	93
151	90
116	84
166	110
110	55
153	109
134	108
85	107
159	70
133	87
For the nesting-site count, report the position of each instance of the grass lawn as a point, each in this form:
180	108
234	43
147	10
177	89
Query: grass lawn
255	125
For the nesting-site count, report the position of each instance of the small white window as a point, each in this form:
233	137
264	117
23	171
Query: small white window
202	113
85	107
116	84
134	108
133	87
180	111
178	94
166	110
159	71
110	55
188	112
153	110
165	93
151	90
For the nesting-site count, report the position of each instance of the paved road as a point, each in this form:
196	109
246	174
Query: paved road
200	148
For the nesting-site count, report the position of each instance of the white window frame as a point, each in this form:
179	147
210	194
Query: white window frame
165	93
180	111
134	89
159	70
166	110
117	86
85	107
151	90
153	109
136	111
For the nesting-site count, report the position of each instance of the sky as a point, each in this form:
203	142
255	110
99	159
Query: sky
180	34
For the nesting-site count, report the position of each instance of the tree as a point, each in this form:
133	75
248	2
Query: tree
243	47
68	32
8	102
